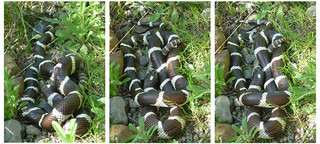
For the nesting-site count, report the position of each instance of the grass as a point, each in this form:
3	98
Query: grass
186	20
292	21
83	34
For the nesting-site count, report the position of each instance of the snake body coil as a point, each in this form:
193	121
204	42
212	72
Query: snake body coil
266	43
60	91
164	47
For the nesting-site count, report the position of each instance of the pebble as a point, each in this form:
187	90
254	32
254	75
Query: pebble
250	58
248	73
118	113
133	104
32	130
11	65
225	132
113	40
219	38
120	132
12	131
206	13
312	11
117	57
19	81
223	58
223	111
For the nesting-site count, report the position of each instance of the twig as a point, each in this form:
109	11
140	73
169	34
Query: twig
24	69
114	48
221	46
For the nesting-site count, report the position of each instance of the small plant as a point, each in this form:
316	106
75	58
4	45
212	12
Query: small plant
202	90
220	82
11	98
69	135
246	136
309	82
141	137
84	24
115	81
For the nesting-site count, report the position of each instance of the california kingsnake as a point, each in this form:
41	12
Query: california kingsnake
162	43
266	43
57	68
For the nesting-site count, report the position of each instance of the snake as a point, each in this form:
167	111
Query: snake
269	85
164	48
60	91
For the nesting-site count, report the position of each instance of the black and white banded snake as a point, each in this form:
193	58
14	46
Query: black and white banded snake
268	49
164	49
61	93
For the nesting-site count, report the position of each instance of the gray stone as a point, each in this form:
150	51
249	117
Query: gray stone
142	73
248	73
12	131
244	52
312	11
250	58
144	60
223	112
133	104
118	113
206	13
32	130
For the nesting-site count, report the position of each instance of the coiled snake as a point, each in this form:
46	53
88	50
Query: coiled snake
60	92
266	43
164	47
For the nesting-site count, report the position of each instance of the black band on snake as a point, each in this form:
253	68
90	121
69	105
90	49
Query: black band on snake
164	48
268	50
60	91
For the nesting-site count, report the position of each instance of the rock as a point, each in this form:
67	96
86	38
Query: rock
118	113
224	58
11	65
117	57
19	81
244	52
113	40
142	73
225	132
32	130
143	60
12	131
219	38
120	132
248	73
223	111
206	13
312	11
250	58
133	104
